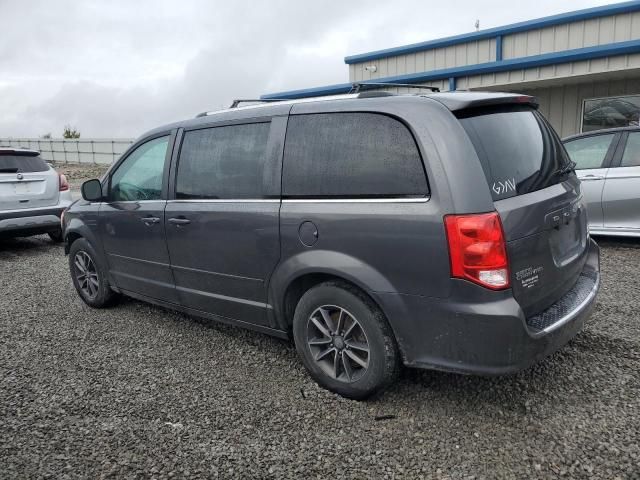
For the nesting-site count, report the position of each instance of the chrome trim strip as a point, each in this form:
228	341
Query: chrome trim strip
228	200
356	200
615	231
131	201
308	200
575	312
620	176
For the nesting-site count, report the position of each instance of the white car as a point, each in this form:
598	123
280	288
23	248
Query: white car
32	195
608	165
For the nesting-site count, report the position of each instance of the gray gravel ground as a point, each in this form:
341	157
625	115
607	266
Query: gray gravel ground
140	391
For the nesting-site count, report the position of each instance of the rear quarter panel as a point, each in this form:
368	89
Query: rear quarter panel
388	246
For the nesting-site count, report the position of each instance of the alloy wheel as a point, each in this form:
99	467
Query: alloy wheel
338	344
86	274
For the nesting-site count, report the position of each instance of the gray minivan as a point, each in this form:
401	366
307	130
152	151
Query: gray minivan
442	231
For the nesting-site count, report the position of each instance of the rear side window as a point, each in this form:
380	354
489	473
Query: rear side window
631	157
223	162
589	152
351	155
22	164
519	151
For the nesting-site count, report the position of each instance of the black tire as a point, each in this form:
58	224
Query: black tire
56	236
383	359
99	296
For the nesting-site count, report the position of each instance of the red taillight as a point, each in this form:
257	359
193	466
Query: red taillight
477	249
62	181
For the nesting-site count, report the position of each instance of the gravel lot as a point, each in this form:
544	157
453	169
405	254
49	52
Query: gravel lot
140	391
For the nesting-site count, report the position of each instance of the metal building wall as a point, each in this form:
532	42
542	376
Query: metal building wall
586	33
619	63
558	38
597	41
480	51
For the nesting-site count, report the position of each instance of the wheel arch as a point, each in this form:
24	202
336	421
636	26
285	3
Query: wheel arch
76	229
301	272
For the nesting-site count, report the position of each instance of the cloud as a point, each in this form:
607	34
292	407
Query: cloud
116	69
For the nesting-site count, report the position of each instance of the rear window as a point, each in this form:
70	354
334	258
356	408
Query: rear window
22	164
351	155
519	151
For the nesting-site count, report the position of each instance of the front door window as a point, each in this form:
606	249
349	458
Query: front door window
139	177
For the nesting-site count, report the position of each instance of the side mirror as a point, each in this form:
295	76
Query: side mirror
92	190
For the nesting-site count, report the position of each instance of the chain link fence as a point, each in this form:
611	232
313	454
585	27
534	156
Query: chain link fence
83	150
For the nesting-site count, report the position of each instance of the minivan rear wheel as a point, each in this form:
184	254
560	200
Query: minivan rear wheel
344	340
88	275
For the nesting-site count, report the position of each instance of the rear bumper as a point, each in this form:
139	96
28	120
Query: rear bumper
30	221
481	332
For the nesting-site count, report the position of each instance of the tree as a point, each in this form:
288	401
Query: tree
70	132
46	136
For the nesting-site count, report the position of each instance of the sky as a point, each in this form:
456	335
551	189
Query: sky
119	68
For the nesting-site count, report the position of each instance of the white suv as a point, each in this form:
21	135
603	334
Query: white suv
32	195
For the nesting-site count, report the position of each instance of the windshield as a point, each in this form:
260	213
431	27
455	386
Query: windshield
22	164
519	151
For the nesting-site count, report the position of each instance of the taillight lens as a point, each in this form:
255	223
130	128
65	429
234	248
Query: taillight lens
477	249
62	181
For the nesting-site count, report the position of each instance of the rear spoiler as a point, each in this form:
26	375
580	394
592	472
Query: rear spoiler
23	152
457	101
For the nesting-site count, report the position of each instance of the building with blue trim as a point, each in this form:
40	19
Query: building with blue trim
583	66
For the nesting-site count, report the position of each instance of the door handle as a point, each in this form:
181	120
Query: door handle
587	178
150	220
179	221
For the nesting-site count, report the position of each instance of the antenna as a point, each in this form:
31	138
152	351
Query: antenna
477	25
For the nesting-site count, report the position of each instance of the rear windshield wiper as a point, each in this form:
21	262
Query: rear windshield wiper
9	170
568	168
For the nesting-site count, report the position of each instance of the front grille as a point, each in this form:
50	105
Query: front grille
573	298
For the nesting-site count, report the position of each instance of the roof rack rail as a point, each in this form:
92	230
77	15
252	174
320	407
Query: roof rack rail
238	101
375	94
357	86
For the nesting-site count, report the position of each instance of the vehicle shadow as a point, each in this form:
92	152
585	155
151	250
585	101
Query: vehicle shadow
19	246
617	242
567	381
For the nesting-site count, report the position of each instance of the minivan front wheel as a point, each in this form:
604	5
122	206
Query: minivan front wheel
88	276
345	341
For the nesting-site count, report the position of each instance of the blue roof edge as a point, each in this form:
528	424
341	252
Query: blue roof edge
574	16
586	53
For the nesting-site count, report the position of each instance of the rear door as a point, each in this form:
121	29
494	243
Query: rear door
26	181
132	221
592	156
223	220
538	198
621	195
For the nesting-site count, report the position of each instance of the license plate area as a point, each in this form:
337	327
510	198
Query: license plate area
22	188
568	233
